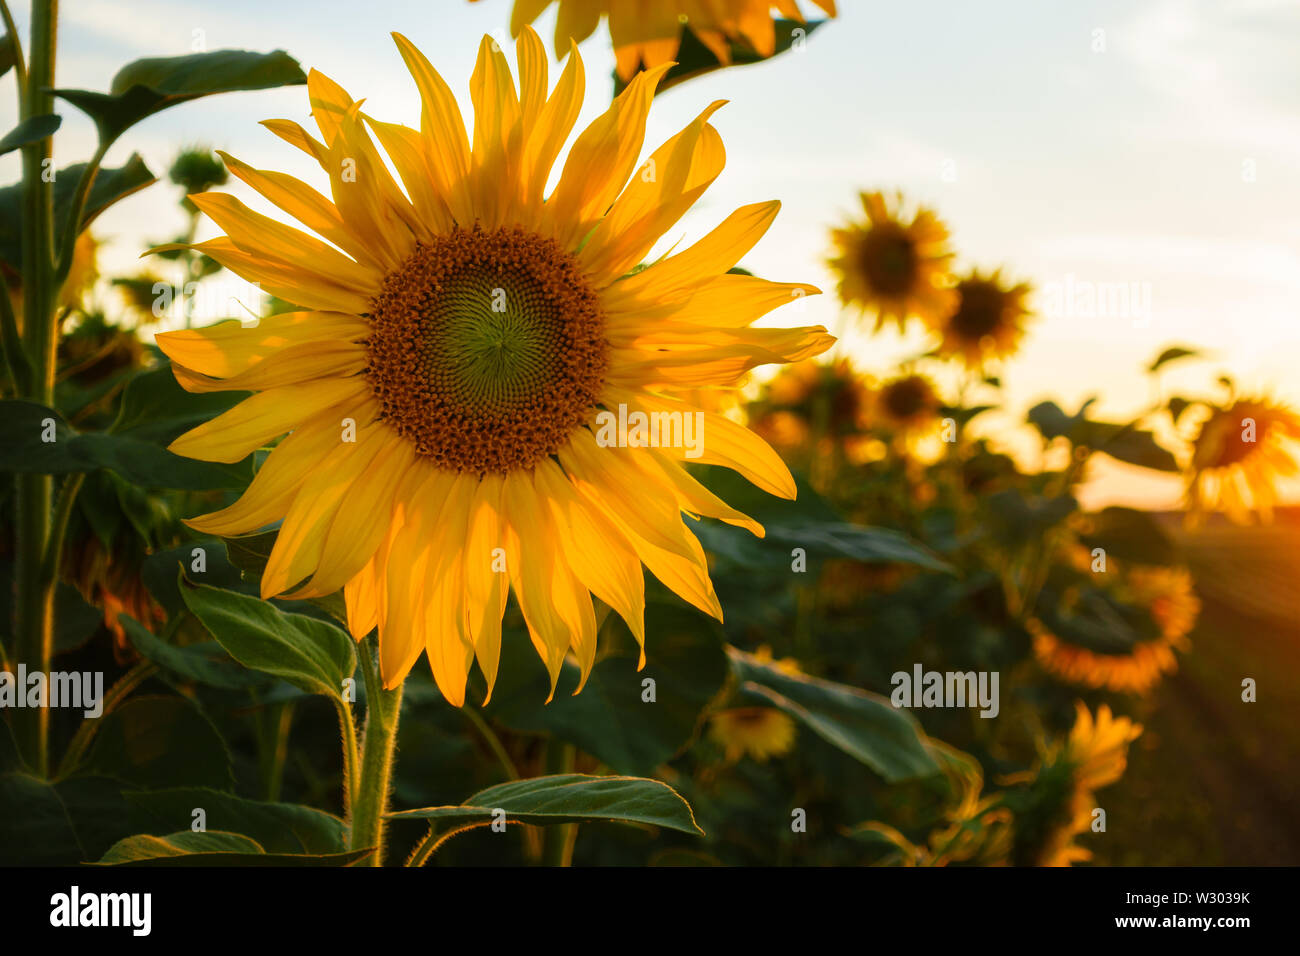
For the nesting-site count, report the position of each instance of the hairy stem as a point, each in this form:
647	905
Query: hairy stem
382	711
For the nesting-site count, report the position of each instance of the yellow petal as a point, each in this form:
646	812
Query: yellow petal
256	420
359	528
670	182
678	276
298	545
303	362
596	551
273	488
228	348
600	162
723	442
444	134
487	582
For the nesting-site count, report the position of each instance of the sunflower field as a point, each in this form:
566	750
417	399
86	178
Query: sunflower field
508	521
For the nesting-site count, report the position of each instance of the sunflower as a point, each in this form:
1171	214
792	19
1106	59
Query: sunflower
758	732
1168	596
461	341
1238	456
908	405
1095	755
986	322
647	35
893	268
1135	672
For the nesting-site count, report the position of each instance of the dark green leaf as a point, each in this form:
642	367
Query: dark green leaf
34	826
23	450
277	827
865	726
206	663
213	848
570	798
145	87
110	186
1171	355
31	130
159	741
308	653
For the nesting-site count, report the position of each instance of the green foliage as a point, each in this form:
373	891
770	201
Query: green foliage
24	450
148	86
308	653
569	798
865	726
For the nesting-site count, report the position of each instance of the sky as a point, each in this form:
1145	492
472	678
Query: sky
1144	145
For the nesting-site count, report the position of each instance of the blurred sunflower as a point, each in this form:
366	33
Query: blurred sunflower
647	35
1166	594
1238	456
465	333
986	321
1134	672
1169	597
829	401
907	406
893	268
1095	754
757	732
81	277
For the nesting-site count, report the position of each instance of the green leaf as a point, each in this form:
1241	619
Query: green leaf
1171	355
110	186
863	725
569	798
213	848
276	827
206	663
145	87
1130	444
34	825
155	408
24	426
610	719
308	653
154	741
1127	443
31	130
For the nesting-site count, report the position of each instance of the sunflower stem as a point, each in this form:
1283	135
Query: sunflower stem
383	707
34	604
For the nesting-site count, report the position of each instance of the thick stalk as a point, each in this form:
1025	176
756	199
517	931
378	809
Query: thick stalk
383	708
34	604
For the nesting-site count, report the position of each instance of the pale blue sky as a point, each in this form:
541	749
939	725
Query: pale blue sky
1170	159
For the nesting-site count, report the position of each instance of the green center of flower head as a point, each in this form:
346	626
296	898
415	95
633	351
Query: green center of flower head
487	349
889	259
